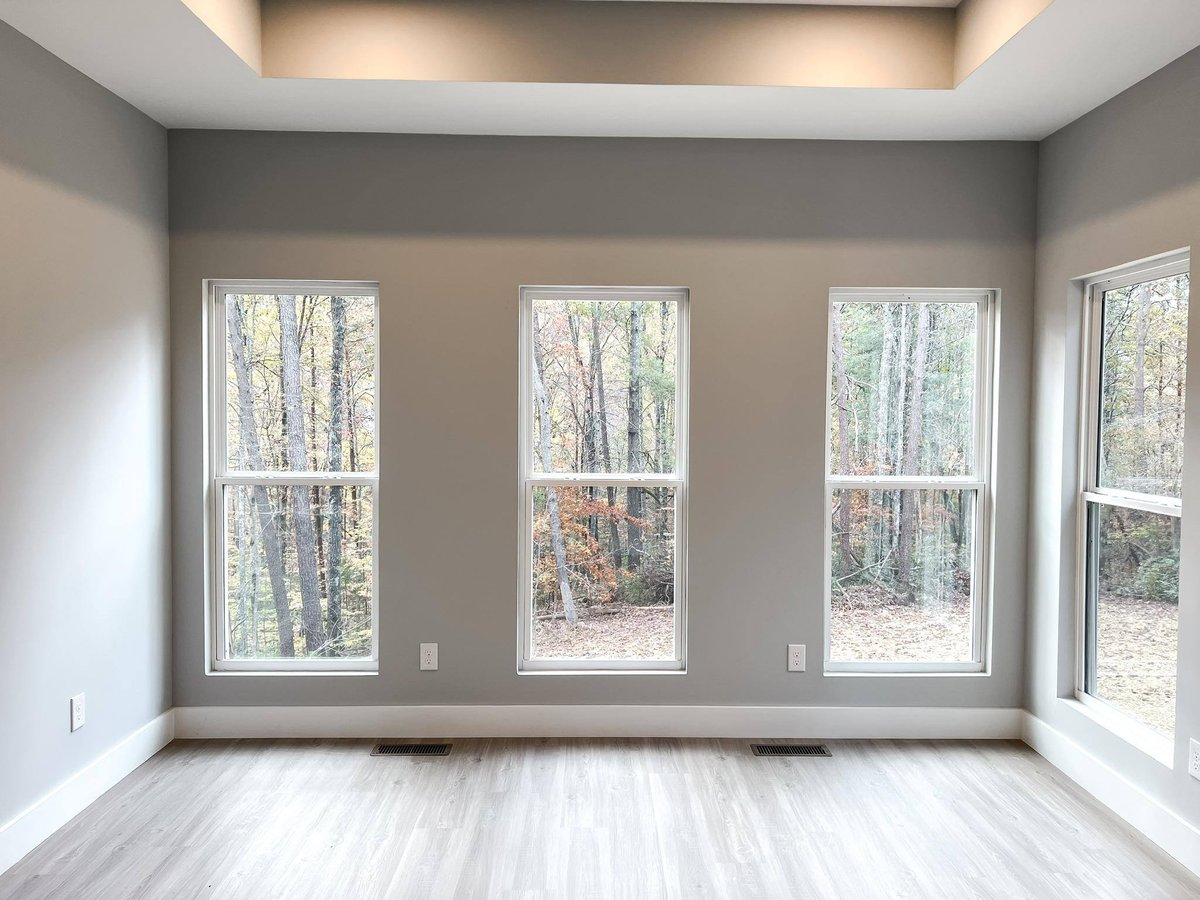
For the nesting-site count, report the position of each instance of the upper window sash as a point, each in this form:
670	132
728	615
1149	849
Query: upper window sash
1095	289
224	418
975	471
537	304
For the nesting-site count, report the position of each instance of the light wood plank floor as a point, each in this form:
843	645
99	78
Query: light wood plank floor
596	819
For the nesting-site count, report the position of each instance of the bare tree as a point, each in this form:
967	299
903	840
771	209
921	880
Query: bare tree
552	510
333	453
614	530
908	498
633	495
311	626
252	450
1144	301
843	418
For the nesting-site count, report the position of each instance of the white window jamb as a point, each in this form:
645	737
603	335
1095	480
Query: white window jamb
1091	492
529	479
979	481
216	292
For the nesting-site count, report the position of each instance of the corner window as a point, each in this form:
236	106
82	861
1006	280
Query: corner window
292	421
603	457
907	480
1131	503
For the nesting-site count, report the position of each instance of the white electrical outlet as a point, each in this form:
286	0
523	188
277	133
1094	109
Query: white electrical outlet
428	657
796	655
78	713
1194	758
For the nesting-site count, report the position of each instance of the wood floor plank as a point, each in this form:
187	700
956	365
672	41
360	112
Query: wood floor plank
605	819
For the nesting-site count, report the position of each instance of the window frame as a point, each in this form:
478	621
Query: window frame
528	479
1089	491
980	481
220	476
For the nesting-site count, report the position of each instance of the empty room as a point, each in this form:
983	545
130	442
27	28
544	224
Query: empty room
602	449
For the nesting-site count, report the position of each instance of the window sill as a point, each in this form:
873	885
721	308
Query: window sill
891	669
523	671
907	673
290	673
1158	747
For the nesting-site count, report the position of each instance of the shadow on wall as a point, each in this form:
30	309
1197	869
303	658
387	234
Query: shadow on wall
1090	170
437	184
103	150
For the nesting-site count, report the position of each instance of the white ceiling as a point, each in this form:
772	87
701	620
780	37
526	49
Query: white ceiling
161	58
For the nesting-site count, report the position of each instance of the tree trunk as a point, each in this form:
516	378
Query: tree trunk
614	530
902	369
248	436
633	495
843	418
311	626
908	498
243	573
556	538
883	409
333	453
586	378
1139	367
661	448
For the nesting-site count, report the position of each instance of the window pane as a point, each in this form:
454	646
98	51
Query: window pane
902	575
902	392
300	383
1143	373
603	385
615	547
1133	612
298	571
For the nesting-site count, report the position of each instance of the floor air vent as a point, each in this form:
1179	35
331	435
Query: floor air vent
411	750
790	750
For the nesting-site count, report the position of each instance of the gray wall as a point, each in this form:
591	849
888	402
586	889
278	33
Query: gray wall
1118	185
451	226
84	444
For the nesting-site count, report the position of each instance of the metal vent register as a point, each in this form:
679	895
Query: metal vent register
790	750
411	750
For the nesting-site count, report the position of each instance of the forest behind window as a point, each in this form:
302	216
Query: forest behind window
296	479
1136	448
904	480
602	402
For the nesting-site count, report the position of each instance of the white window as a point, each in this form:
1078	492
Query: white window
603	462
1131	500
907	480
294	449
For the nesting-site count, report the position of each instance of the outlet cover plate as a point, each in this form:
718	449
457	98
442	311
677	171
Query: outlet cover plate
429	658
796	657
1194	758
78	712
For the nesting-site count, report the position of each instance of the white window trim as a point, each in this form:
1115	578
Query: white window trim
528	479
219	476
981	481
1112	718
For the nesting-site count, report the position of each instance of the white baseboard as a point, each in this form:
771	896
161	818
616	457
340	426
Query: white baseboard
830	722
29	828
1174	834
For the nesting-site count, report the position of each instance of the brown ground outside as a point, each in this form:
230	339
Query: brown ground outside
1136	649
611	631
1135	658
